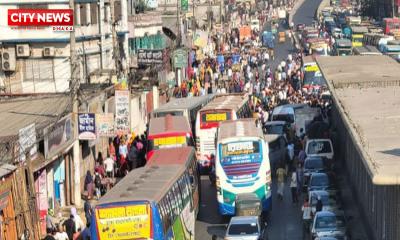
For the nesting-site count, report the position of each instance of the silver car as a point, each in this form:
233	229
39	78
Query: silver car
245	228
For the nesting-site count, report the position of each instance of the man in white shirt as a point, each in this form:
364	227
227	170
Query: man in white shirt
109	166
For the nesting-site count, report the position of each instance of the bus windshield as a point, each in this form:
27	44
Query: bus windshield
173	113
314	78
319	147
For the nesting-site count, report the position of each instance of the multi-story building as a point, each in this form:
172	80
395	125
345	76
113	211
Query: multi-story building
40	58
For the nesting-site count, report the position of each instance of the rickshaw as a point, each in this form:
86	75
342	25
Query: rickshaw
282	37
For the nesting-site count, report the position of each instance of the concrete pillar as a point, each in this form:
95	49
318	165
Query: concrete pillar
102	35
124	28
77	14
156	100
88	20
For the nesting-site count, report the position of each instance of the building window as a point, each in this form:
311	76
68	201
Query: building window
94	13
84	17
117	11
33	6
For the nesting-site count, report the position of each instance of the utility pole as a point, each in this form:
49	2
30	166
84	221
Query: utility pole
117	57
74	88
209	15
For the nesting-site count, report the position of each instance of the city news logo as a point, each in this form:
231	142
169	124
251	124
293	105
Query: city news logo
58	19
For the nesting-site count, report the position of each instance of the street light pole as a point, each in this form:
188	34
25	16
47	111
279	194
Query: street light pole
74	90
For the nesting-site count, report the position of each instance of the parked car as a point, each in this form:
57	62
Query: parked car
245	228
313	165
329	202
319	148
323	181
277	149
329	224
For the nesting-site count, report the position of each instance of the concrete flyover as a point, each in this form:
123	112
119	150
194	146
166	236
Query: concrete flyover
366	120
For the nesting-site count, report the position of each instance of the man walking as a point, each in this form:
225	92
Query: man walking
281	174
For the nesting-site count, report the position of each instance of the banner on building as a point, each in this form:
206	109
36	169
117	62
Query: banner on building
200	38
58	136
105	125
86	126
27	142
149	56
180	58
184	5
122	112
42	203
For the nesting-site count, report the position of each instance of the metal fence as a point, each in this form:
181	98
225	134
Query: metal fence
379	205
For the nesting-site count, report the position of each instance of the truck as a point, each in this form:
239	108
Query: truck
343	47
357	35
268	39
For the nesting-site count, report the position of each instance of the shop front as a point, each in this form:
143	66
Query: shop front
8	229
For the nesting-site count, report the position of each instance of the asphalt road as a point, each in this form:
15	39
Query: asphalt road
285	218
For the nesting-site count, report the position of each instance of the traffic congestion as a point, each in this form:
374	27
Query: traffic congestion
247	126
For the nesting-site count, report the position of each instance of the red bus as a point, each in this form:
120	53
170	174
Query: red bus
390	24
168	132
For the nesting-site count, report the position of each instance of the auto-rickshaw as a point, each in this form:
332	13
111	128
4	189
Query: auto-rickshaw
248	204
282	37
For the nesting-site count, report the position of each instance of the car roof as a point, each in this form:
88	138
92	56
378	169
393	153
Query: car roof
319	193
313	158
275	123
325	214
319	174
244	219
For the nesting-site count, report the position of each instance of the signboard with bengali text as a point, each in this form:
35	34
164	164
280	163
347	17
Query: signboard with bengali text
122	123
123	223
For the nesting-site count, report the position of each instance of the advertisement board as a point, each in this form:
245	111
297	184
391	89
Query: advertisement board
86	126
122	123
124	222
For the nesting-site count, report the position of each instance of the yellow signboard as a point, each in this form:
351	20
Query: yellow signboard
312	68
215	117
122	223
169	141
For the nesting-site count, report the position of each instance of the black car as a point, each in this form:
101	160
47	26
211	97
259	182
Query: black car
314	165
323	181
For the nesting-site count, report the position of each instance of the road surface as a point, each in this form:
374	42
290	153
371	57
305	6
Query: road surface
285	219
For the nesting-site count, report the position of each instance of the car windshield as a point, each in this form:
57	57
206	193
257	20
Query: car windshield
316	163
319	180
331	222
243	229
314	78
274	129
283	117
319	147
324	199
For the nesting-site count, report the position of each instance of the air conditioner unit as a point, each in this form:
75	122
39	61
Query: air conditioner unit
8	59
23	50
49	52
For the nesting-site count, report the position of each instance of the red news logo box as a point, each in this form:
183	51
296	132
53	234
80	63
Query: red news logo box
40	17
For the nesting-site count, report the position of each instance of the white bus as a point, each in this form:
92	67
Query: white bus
223	107
242	165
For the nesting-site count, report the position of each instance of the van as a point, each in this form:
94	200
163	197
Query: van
277	149
319	148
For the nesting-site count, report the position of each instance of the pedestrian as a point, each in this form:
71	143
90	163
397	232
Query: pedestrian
109	166
85	234
281	174
299	177
319	205
97	184
293	187
89	184
88	211
60	234
50	234
306	209
69	226
77	219
50	222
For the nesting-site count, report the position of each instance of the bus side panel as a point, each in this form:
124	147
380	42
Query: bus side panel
157	224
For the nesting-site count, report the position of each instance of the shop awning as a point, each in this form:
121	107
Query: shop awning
6	169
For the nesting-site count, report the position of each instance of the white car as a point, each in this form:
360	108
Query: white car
245	228
319	148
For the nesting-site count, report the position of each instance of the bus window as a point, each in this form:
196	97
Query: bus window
178	198
163	114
